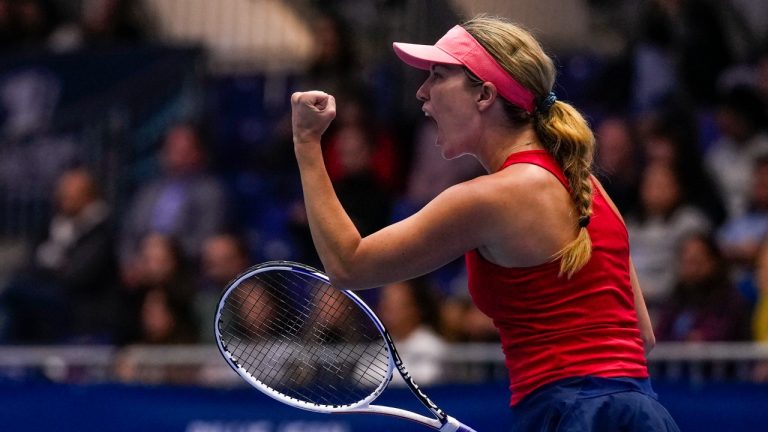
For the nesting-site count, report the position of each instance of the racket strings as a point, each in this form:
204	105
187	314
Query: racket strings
337	320
301	337
338	307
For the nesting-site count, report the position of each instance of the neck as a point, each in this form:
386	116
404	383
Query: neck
505	144
520	147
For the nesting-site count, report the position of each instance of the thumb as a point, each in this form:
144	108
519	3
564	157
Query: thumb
328	104
314	99
319	100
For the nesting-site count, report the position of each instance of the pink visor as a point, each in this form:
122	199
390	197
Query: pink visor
458	47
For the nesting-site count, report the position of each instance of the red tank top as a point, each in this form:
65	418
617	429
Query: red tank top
553	327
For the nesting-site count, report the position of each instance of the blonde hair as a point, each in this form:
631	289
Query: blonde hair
561	129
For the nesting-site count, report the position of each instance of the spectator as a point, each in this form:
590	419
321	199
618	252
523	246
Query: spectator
672	139
330	324
616	157
165	318
753	70
741	236
355	121
742	121
36	21
161	268
162	265
411	313
103	23
335	66
362	162
680	52
462	321
68	288
33	151
225	256
185	201
704	304
761	73
7	25
760	315
661	221
357	182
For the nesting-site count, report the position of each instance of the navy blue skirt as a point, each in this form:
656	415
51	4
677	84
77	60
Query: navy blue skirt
589	403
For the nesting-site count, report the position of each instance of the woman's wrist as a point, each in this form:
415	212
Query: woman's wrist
306	139
307	150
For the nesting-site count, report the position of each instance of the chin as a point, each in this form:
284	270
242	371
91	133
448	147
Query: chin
456	146
449	155
449	152
453	156
444	152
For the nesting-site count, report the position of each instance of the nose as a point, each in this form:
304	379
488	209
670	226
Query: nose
422	94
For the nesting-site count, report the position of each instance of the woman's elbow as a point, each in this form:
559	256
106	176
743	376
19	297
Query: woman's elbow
341	278
344	279
649	342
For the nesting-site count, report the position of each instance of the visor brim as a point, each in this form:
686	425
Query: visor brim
422	56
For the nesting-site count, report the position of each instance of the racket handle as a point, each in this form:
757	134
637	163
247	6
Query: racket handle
454	425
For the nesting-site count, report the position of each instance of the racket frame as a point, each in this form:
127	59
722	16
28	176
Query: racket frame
442	422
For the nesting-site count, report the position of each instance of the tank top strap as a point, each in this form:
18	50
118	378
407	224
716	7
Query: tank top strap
540	158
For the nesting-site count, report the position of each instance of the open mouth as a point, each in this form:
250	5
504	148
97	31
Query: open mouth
428	115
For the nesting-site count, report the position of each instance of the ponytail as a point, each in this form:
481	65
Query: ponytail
568	138
559	127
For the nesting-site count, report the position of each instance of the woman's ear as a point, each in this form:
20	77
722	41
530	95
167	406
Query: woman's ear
486	96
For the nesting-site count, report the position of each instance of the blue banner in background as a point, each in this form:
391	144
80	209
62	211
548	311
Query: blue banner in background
114	407
42	407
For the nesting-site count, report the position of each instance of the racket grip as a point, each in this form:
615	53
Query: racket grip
454	425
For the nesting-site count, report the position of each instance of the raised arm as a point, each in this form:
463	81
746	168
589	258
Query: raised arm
439	233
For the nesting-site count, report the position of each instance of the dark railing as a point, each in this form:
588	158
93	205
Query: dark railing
462	363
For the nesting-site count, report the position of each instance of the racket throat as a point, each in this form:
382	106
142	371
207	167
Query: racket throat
415	389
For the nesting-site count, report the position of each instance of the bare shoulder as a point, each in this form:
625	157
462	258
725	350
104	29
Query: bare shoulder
507	202
515	187
529	215
532	187
521	178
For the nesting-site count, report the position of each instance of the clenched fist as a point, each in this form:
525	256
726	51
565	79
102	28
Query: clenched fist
311	113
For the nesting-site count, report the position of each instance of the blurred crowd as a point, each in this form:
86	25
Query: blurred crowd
682	148
65	26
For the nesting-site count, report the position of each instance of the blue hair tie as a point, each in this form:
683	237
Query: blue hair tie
584	221
543	104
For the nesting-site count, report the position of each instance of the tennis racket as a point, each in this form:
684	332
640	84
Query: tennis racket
286	331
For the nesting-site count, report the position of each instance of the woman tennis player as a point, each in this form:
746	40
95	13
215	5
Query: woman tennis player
546	250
